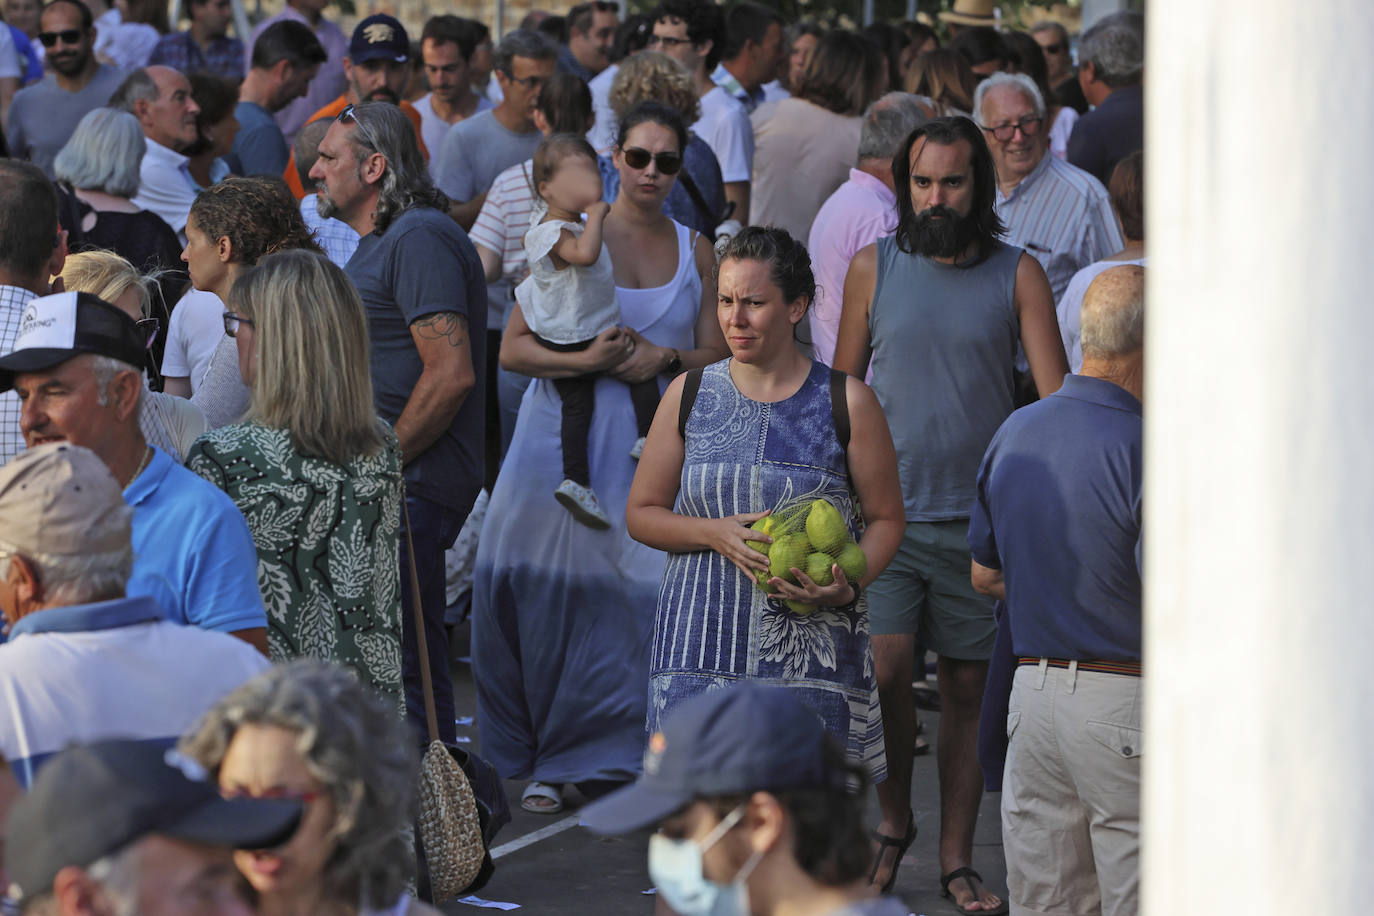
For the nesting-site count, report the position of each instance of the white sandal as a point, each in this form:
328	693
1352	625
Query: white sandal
541	790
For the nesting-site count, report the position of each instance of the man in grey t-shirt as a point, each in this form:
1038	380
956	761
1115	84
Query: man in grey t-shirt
481	147
43	116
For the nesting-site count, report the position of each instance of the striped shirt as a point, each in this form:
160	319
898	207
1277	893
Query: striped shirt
1062	217
501	228
12	302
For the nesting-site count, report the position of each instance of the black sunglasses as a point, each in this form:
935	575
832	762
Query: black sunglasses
347	115
67	36
1052	49
636	158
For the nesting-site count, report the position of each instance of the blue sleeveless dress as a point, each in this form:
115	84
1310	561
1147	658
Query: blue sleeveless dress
713	626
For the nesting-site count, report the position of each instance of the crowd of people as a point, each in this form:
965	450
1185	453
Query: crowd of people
313	344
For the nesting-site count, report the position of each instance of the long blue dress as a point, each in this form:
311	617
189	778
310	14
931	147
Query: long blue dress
562	614
713	625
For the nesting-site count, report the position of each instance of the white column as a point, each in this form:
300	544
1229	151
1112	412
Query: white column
1259	774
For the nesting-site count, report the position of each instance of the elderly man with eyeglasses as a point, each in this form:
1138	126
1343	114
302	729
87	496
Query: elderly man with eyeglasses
1060	214
76	366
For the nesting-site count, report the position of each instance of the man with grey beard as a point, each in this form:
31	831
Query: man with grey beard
939	310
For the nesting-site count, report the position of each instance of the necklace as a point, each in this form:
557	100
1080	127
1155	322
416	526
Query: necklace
147	456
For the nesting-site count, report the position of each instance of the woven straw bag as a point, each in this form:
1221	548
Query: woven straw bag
450	828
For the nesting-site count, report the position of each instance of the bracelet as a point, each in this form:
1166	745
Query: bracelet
674	364
854	602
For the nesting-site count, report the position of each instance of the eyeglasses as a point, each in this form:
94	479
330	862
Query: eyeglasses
636	158
304	798
1029	126
668	41
148	328
1052	49
66	36
232	322
529	82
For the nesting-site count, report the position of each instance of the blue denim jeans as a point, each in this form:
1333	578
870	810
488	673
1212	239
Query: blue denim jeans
433	530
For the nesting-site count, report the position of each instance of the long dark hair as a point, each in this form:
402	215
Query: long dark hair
947	132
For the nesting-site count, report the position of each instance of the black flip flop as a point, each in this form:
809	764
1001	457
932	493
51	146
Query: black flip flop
970	875
885	843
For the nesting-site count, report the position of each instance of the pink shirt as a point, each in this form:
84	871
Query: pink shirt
861	211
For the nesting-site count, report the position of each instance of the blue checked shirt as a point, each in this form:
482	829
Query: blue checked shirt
179	51
1062	217
338	239
12	302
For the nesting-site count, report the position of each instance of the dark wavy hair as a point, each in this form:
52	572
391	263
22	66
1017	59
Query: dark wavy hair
259	215
651	112
789	265
947	132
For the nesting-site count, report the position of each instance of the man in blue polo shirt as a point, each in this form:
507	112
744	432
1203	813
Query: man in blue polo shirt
1055	533
75	366
85	661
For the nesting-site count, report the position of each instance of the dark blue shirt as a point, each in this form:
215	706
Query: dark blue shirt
1109	133
1058	511
259	146
421	265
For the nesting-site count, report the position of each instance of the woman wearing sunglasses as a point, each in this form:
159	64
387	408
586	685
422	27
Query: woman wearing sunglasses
313	470
562	614
169	422
232	225
309	732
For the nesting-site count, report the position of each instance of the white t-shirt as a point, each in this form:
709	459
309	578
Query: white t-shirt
433	128
725	127
195	330
571	305
12	65
1060	131
602	134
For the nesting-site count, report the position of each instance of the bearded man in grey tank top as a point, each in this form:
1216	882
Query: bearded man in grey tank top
939	311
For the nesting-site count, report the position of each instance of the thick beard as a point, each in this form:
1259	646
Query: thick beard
70	66
942	238
324	204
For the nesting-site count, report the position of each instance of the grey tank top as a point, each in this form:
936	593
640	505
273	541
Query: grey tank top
944	346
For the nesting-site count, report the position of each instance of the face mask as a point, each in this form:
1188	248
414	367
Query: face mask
676	869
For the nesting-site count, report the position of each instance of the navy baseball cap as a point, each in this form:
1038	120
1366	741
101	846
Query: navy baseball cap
53	329
379	37
92	800
745	738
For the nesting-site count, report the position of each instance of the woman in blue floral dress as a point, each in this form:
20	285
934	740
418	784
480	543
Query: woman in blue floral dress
761	434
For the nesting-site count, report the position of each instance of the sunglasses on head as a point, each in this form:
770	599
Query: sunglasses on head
668	163
347	115
66	36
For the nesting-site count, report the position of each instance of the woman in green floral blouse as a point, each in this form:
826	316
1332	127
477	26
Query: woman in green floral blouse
314	471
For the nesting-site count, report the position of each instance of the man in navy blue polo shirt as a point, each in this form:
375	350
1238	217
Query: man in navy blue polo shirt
1055	533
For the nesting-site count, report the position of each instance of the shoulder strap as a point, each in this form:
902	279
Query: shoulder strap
694	192
691	383
839	407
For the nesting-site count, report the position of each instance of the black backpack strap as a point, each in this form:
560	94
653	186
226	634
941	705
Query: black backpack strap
690	186
691	383
839	407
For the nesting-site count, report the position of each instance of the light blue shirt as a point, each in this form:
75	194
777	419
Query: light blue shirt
193	551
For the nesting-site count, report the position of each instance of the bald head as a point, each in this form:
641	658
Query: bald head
1113	316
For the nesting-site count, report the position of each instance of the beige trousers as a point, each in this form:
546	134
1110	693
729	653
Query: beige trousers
1071	792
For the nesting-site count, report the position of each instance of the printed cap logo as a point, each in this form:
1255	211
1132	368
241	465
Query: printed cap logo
379	33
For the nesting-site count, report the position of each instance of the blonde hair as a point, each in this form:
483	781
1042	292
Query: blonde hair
313	375
654	76
107	275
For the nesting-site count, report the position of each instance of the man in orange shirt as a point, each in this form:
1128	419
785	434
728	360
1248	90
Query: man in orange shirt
376	67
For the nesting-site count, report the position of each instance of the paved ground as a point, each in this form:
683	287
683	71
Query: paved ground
548	864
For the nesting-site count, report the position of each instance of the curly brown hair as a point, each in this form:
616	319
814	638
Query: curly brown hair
258	215
653	75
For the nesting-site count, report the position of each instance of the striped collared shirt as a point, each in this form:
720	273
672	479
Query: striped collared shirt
1062	217
12	302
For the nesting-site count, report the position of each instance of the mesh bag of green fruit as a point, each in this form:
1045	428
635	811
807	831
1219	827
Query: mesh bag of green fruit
810	535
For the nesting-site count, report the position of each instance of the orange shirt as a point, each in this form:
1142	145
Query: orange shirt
293	181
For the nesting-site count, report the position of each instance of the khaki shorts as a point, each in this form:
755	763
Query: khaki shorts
926	590
1071	793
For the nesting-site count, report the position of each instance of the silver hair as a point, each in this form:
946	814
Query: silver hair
1015	80
381	127
355	746
105	369
1115	46
138	86
103	154
81	579
1117	327
888	121
523	43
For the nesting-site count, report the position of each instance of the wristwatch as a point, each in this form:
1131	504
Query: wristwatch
674	364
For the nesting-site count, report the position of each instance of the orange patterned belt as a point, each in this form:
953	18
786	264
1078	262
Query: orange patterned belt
1130	669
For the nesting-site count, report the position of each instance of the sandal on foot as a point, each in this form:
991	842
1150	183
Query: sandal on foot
885	843
536	791
970	876
920	747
